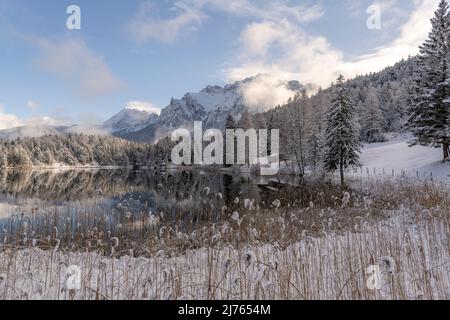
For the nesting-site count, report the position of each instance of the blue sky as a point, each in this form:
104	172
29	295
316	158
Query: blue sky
145	52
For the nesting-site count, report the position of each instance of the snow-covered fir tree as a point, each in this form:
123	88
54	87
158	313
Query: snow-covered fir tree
19	156
430	95
296	123
342	144
3	159
230	124
314	147
314	143
372	119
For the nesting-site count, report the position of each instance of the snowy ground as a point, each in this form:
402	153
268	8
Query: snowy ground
398	156
391	159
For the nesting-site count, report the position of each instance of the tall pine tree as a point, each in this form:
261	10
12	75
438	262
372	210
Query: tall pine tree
430	95
230	124
342	136
372	118
3	159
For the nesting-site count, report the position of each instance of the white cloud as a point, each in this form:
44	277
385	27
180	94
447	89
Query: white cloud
147	25
264	9
84	71
276	43
354	6
143	106
278	26
32	105
44	121
264	92
392	12
8	121
284	50
412	35
189	15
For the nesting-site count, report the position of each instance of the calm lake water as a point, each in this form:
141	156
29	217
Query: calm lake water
72	204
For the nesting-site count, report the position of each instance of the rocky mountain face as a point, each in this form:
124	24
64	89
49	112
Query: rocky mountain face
212	106
129	120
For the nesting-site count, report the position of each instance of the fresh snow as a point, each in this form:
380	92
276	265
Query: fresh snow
129	120
398	156
211	99
213	104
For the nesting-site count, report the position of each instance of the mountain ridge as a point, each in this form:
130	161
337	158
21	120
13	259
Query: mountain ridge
213	104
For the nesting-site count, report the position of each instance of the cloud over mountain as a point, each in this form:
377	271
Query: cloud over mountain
284	49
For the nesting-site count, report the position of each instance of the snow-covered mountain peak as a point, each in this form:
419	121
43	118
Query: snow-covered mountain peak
129	120
212	90
214	103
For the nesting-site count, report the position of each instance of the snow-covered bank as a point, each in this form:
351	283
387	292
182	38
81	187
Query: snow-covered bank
398	156
66	167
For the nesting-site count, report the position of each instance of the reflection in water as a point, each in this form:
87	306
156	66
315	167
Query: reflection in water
73	205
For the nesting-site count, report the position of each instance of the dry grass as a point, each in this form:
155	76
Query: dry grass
319	251
331	267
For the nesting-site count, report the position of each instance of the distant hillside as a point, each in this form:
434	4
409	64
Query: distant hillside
30	131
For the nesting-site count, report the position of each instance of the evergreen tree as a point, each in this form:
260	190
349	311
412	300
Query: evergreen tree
296	123
372	119
341	137
19	157
314	144
230	124
3	159
315	138
430	101
48	157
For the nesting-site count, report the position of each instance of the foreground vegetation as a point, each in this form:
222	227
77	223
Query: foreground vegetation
320	246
